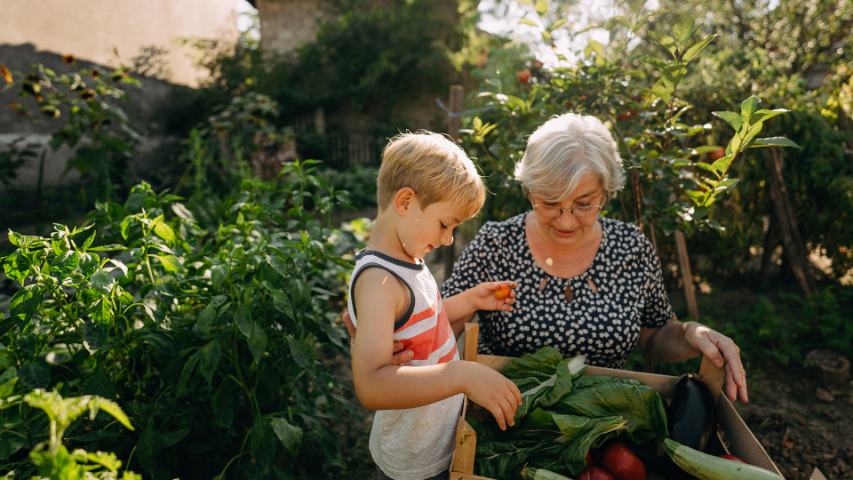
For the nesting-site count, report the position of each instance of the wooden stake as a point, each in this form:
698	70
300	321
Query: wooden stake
686	276
795	251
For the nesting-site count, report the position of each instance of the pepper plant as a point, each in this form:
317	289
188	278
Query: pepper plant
214	323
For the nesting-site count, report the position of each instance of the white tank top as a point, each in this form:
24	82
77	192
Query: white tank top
415	443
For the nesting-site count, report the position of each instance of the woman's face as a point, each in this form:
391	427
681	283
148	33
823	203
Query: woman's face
571	221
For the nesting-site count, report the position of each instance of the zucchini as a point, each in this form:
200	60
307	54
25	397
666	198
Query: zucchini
691	414
708	467
528	473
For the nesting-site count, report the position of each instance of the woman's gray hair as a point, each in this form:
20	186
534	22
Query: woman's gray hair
565	148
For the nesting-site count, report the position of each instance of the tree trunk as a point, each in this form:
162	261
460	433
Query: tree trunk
795	251
454	123
771	239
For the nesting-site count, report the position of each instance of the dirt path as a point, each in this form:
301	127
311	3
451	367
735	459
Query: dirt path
799	430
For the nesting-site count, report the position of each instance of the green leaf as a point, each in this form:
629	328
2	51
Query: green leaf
254	333
696	196
35	374
106	459
209	356
301	353
124	227
25	302
697	48
731	118
556	25
108	248
721	165
183	212
163	230
594	46
206	318
683	29
170	263
529	22
89	241
773	142
186	373
542	7
764	114
748	107
111	408
289	435
283	304
170	439
102	281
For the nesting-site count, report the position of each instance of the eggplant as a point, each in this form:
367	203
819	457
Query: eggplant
692	414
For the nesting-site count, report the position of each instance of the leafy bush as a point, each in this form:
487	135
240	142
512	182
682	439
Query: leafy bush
214	324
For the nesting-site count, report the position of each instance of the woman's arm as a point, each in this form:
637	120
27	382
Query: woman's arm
678	341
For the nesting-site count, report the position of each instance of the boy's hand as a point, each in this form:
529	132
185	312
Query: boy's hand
493	295
400	356
494	392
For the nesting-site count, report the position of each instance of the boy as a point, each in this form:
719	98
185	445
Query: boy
427	186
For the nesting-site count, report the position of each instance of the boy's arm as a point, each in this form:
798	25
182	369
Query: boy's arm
461	307
378	384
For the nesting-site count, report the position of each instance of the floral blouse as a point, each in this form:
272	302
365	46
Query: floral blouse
598	313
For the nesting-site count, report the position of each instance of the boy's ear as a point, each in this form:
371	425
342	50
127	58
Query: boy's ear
404	199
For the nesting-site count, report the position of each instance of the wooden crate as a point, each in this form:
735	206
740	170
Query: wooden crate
741	440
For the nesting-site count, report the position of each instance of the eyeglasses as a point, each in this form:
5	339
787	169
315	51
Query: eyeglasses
581	212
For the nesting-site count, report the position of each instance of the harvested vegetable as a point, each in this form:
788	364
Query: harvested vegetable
709	467
691	414
595	473
563	415
541	474
622	463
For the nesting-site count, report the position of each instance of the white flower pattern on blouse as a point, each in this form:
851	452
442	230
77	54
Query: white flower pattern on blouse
618	294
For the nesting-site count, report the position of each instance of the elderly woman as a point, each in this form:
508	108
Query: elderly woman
586	284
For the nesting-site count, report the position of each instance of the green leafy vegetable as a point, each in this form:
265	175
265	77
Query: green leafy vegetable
563	415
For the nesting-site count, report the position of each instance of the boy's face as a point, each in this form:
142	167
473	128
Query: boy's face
425	229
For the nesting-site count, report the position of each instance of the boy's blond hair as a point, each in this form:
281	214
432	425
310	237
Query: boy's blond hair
434	167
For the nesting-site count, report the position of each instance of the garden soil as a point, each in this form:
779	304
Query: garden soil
800	430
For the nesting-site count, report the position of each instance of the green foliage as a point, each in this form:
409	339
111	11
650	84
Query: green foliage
364	58
84	106
214	322
53	460
672	186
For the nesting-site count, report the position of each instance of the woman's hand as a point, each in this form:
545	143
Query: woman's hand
721	350
493	296
400	356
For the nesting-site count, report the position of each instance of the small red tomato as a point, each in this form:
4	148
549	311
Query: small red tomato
523	75
595	473
732	458
626	115
716	154
624	464
502	292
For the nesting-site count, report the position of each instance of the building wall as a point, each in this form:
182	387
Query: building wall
114	32
103	34
288	24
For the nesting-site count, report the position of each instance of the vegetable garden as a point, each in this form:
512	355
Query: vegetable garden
198	308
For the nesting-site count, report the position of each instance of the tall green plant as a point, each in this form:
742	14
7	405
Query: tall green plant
210	320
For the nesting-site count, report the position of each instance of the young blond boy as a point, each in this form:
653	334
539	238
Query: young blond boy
427	186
